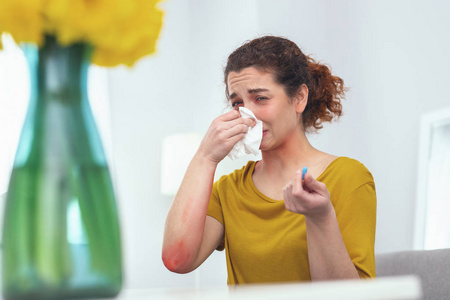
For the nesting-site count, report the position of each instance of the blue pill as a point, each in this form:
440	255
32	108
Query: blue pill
304	172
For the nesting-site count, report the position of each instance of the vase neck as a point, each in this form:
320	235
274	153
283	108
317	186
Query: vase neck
62	72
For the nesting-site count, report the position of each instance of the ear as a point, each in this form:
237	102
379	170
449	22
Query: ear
301	99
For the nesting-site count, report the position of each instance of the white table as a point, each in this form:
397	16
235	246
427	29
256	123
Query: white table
384	288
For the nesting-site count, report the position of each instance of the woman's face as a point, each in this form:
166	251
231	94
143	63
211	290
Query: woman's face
256	90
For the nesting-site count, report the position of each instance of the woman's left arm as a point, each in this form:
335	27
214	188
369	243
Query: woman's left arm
328	256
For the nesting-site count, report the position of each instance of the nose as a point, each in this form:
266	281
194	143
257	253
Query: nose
248	104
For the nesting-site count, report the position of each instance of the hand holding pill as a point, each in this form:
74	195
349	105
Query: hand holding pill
307	196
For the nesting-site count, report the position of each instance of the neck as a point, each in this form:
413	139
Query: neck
293	154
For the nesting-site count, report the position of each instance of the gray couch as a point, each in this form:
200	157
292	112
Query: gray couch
432	266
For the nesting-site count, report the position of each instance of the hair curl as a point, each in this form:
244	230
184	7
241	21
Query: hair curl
291	68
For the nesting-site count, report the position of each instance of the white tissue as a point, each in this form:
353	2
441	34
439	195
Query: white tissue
252	140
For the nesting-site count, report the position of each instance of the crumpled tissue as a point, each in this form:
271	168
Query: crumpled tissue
252	140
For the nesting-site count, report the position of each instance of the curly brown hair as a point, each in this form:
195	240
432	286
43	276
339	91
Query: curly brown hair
291	68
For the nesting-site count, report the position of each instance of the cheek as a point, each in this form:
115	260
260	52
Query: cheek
263	113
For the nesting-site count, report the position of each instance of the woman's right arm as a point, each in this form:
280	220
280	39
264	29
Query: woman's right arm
190	236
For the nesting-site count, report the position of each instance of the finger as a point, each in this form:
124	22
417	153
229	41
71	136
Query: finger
236	138
287	192
298	187
287	188
250	122
237	129
239	121
311	184
231	115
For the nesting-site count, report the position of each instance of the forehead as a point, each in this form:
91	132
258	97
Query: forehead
250	76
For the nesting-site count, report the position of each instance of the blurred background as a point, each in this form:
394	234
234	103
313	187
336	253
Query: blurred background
393	55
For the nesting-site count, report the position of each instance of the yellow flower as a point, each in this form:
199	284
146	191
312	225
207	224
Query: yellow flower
121	31
72	20
23	19
111	57
127	41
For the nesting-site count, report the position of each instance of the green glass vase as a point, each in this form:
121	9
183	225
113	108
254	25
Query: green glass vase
61	234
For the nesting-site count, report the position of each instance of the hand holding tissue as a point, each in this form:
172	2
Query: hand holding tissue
252	140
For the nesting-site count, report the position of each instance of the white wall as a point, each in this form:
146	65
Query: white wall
392	54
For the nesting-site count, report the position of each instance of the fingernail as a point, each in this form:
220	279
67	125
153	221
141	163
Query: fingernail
305	169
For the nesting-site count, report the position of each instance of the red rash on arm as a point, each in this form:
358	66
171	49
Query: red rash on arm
179	256
185	223
176	257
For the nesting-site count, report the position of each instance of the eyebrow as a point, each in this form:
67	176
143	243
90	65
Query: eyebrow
250	91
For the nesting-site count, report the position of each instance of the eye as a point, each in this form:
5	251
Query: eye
236	103
261	98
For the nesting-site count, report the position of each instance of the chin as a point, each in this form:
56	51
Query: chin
263	148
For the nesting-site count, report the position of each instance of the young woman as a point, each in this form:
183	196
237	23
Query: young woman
275	225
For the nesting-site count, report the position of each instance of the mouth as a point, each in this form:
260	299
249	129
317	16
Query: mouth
265	132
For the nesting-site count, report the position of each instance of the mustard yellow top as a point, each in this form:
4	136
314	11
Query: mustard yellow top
264	242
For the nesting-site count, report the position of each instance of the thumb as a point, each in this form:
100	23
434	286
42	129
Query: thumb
310	183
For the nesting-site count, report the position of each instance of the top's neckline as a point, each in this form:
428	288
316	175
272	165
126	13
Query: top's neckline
252	184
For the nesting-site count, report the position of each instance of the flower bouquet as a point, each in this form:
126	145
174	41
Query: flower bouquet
120	31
